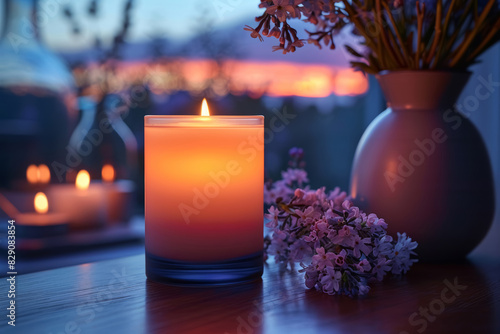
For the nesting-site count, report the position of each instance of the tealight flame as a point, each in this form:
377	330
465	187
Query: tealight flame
43	174
32	174
38	174
82	180
204	108
41	203
108	173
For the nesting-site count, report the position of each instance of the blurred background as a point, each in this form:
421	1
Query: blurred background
77	78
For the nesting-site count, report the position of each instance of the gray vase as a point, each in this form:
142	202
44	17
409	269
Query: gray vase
424	167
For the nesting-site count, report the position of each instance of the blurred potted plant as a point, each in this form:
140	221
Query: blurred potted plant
421	164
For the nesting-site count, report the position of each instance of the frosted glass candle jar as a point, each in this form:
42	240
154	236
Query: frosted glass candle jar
204	198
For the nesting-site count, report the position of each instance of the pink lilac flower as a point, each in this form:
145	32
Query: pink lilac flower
381	223
307	213
329	214
371	220
272	216
345	236
364	266
275	32
323	259
312	236
253	33
299	193
353	211
296	153
383	246
340	258
294	175
279	189
311	277
339	247
281	8
381	268
322	228
309	197
300	250
360	245
363	289
403	250
337	197
331	281
332	234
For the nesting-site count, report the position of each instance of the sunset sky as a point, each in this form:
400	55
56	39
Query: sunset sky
175	19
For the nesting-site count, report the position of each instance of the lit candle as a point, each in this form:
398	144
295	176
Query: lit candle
119	196
42	222
37	176
84	202
204	197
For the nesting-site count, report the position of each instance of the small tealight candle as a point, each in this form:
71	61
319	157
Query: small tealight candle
119	195
41	223
204	198
83	202
37	178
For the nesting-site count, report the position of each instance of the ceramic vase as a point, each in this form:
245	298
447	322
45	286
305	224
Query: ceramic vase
424	167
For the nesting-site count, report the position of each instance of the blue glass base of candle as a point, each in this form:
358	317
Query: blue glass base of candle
237	270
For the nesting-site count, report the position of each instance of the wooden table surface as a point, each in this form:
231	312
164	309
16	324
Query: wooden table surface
115	297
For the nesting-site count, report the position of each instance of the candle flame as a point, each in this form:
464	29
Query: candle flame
38	174
108	173
32	174
41	203
82	180
43	174
204	108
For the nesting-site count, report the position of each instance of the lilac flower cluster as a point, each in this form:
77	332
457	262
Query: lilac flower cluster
395	34
339	247
327	16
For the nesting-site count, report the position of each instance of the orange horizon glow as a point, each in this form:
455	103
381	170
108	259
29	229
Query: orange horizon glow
82	180
237	77
41	203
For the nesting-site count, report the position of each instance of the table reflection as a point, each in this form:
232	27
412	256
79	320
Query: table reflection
228	309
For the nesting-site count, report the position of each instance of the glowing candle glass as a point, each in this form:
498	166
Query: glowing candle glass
204	198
